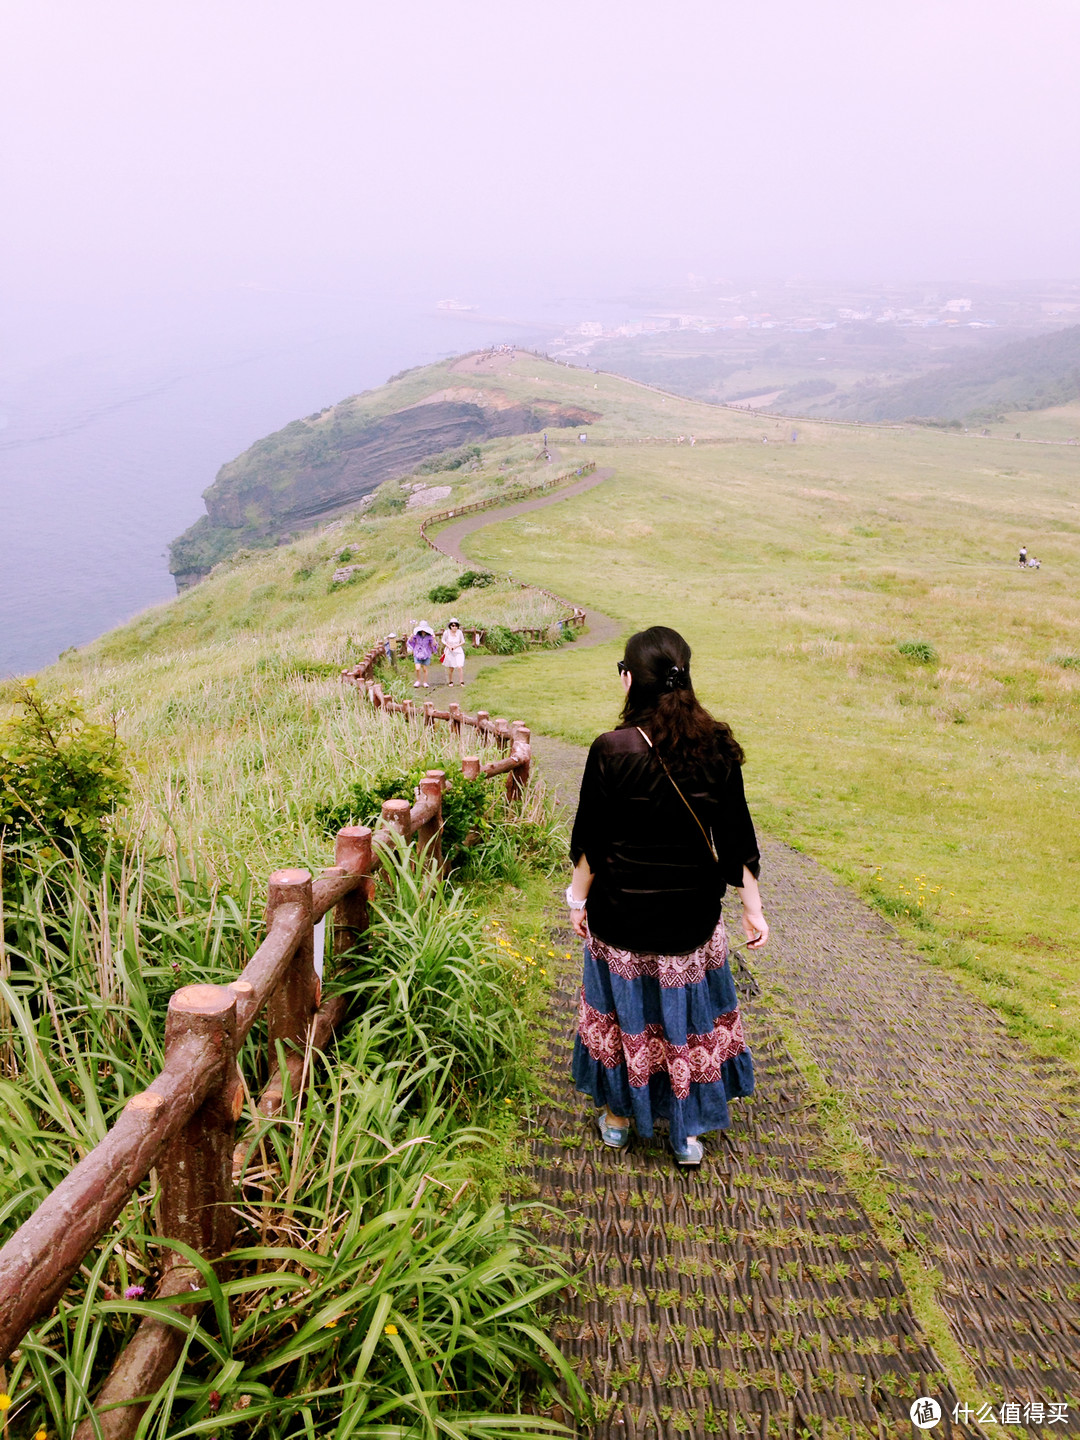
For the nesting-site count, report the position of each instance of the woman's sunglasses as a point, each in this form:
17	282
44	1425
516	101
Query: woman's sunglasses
622	667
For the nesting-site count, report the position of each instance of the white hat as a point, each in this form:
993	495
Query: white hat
423	628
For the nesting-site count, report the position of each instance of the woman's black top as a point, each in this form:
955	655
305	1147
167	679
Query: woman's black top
656	887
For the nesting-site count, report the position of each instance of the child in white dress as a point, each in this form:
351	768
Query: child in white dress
454	647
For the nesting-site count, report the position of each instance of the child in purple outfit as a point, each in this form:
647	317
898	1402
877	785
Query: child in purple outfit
421	646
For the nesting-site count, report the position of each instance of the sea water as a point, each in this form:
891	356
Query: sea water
115	419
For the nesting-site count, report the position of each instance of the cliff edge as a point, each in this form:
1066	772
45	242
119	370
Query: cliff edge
331	460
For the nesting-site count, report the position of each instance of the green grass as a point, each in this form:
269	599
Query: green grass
797	572
380	1280
941	782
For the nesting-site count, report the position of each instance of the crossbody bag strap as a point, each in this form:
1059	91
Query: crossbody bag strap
704	833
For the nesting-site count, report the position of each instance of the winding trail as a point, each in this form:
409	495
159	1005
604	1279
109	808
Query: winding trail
756	1298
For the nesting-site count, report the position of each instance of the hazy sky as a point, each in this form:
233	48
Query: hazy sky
587	140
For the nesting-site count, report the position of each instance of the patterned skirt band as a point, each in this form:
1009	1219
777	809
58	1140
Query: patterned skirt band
699	1062
660	1036
672	971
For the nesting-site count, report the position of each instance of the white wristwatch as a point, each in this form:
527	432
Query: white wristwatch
573	904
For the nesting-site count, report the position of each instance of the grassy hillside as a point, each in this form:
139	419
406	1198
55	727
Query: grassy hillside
1026	375
426	420
944	787
906	695
907	698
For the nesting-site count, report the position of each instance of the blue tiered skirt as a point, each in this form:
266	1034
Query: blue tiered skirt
660	1037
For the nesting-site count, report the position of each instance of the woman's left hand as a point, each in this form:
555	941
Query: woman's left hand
756	927
577	920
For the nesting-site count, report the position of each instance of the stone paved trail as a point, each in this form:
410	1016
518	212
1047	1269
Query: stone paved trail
755	1298
752	1298
981	1137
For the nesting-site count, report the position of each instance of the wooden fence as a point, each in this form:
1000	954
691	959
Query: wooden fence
184	1123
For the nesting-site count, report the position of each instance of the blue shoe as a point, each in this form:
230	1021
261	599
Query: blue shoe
693	1155
615	1137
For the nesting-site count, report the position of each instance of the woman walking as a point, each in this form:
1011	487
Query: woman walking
421	646
454	652
662	829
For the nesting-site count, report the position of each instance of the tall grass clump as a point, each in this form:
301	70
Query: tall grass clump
921	651
376	1288
435	982
369	1295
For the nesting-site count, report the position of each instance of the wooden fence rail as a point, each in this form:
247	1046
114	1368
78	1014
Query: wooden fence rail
184	1123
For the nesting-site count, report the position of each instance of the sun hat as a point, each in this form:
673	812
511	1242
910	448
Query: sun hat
452	621
423	628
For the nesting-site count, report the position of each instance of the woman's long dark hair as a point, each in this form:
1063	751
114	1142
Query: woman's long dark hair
661	700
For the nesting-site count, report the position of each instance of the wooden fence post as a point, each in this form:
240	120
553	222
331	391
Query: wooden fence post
195	1205
518	778
352	852
295	999
470	767
455	717
429	835
195	1173
395	816
429	713
502	733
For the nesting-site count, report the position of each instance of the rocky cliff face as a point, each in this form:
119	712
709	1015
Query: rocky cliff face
330	461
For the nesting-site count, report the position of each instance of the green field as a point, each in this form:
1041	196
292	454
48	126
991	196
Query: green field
906	696
945	788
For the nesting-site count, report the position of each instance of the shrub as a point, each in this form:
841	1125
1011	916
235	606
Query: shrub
450	460
391	504
443	594
61	776
501	641
475	579
1067	662
921	651
465	802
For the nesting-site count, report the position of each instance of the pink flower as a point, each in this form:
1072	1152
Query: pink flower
134	1292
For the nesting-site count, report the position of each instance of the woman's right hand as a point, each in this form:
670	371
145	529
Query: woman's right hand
577	920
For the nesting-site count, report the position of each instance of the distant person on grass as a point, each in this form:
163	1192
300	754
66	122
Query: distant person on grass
662	829
421	646
454	652
1023	556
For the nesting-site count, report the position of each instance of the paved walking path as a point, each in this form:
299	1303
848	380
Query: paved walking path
755	1298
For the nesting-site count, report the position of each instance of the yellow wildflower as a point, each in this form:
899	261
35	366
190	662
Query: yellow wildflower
5	1402
390	1330
41	1434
